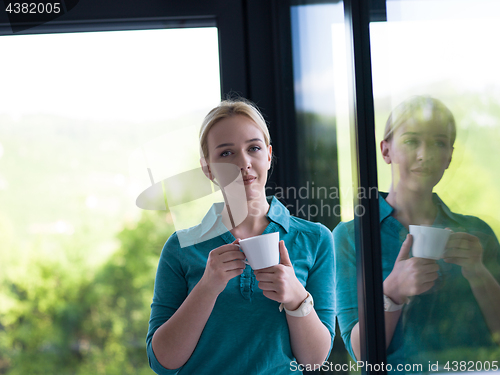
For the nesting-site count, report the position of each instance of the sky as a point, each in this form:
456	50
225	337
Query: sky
137	77
124	75
423	42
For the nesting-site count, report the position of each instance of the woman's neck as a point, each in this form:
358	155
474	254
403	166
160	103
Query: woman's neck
412	208
246	219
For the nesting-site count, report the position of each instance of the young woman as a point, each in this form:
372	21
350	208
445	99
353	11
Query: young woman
213	314
447	304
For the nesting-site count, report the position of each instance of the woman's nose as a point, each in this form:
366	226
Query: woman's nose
425	153
246	166
244	162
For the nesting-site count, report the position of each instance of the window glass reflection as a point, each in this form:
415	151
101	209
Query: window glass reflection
434	75
318	197
320	84
436	97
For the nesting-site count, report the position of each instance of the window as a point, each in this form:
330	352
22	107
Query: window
69	179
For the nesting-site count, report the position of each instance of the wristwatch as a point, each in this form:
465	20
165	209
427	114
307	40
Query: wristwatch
390	305
303	310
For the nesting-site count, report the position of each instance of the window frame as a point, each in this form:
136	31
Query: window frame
367	226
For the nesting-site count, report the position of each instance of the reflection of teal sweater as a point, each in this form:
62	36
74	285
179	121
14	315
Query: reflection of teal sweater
246	333
446	317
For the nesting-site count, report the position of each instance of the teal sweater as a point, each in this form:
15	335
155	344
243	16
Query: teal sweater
440	324
246	333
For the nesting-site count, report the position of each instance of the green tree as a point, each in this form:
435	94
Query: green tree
68	319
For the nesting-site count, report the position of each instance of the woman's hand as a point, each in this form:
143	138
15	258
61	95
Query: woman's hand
410	276
224	263
465	250
279	282
175	340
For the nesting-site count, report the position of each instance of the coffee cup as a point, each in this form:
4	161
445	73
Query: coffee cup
429	242
261	251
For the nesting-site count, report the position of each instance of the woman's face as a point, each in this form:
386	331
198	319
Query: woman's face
236	147
419	153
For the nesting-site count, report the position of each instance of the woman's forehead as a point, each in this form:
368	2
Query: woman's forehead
234	129
430	128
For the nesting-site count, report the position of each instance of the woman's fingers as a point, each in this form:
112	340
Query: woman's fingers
418	275
233	273
265	274
428	277
422	266
464	250
404	252
459	236
229	256
267	279
225	248
267	286
226	257
458	253
233	265
271	295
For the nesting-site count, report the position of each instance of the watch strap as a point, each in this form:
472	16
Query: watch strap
390	305
304	309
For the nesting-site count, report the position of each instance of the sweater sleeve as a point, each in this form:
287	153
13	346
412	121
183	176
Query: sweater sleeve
170	291
346	303
320	281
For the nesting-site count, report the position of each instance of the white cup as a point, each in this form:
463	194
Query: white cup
261	251
429	242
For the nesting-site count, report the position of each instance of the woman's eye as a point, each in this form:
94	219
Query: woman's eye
255	148
440	144
225	153
410	141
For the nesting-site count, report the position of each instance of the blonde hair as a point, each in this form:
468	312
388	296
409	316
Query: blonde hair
420	109
230	108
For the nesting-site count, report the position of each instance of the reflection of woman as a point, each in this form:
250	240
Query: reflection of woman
450	303
211	314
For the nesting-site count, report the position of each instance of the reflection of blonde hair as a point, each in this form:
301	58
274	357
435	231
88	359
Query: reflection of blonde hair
230	108
420	109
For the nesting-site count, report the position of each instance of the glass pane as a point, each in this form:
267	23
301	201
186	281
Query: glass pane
78	255
316	112
435	69
321	100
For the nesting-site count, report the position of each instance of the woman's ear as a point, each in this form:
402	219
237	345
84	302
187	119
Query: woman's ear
269	155
385	149
206	169
449	160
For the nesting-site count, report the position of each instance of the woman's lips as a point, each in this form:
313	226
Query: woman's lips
247	180
422	171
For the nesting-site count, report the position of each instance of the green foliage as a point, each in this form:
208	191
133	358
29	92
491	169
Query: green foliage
318	167
70	320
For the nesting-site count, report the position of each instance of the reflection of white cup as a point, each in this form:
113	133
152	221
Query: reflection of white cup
261	251
429	242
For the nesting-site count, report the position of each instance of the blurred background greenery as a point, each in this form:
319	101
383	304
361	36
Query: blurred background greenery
63	317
